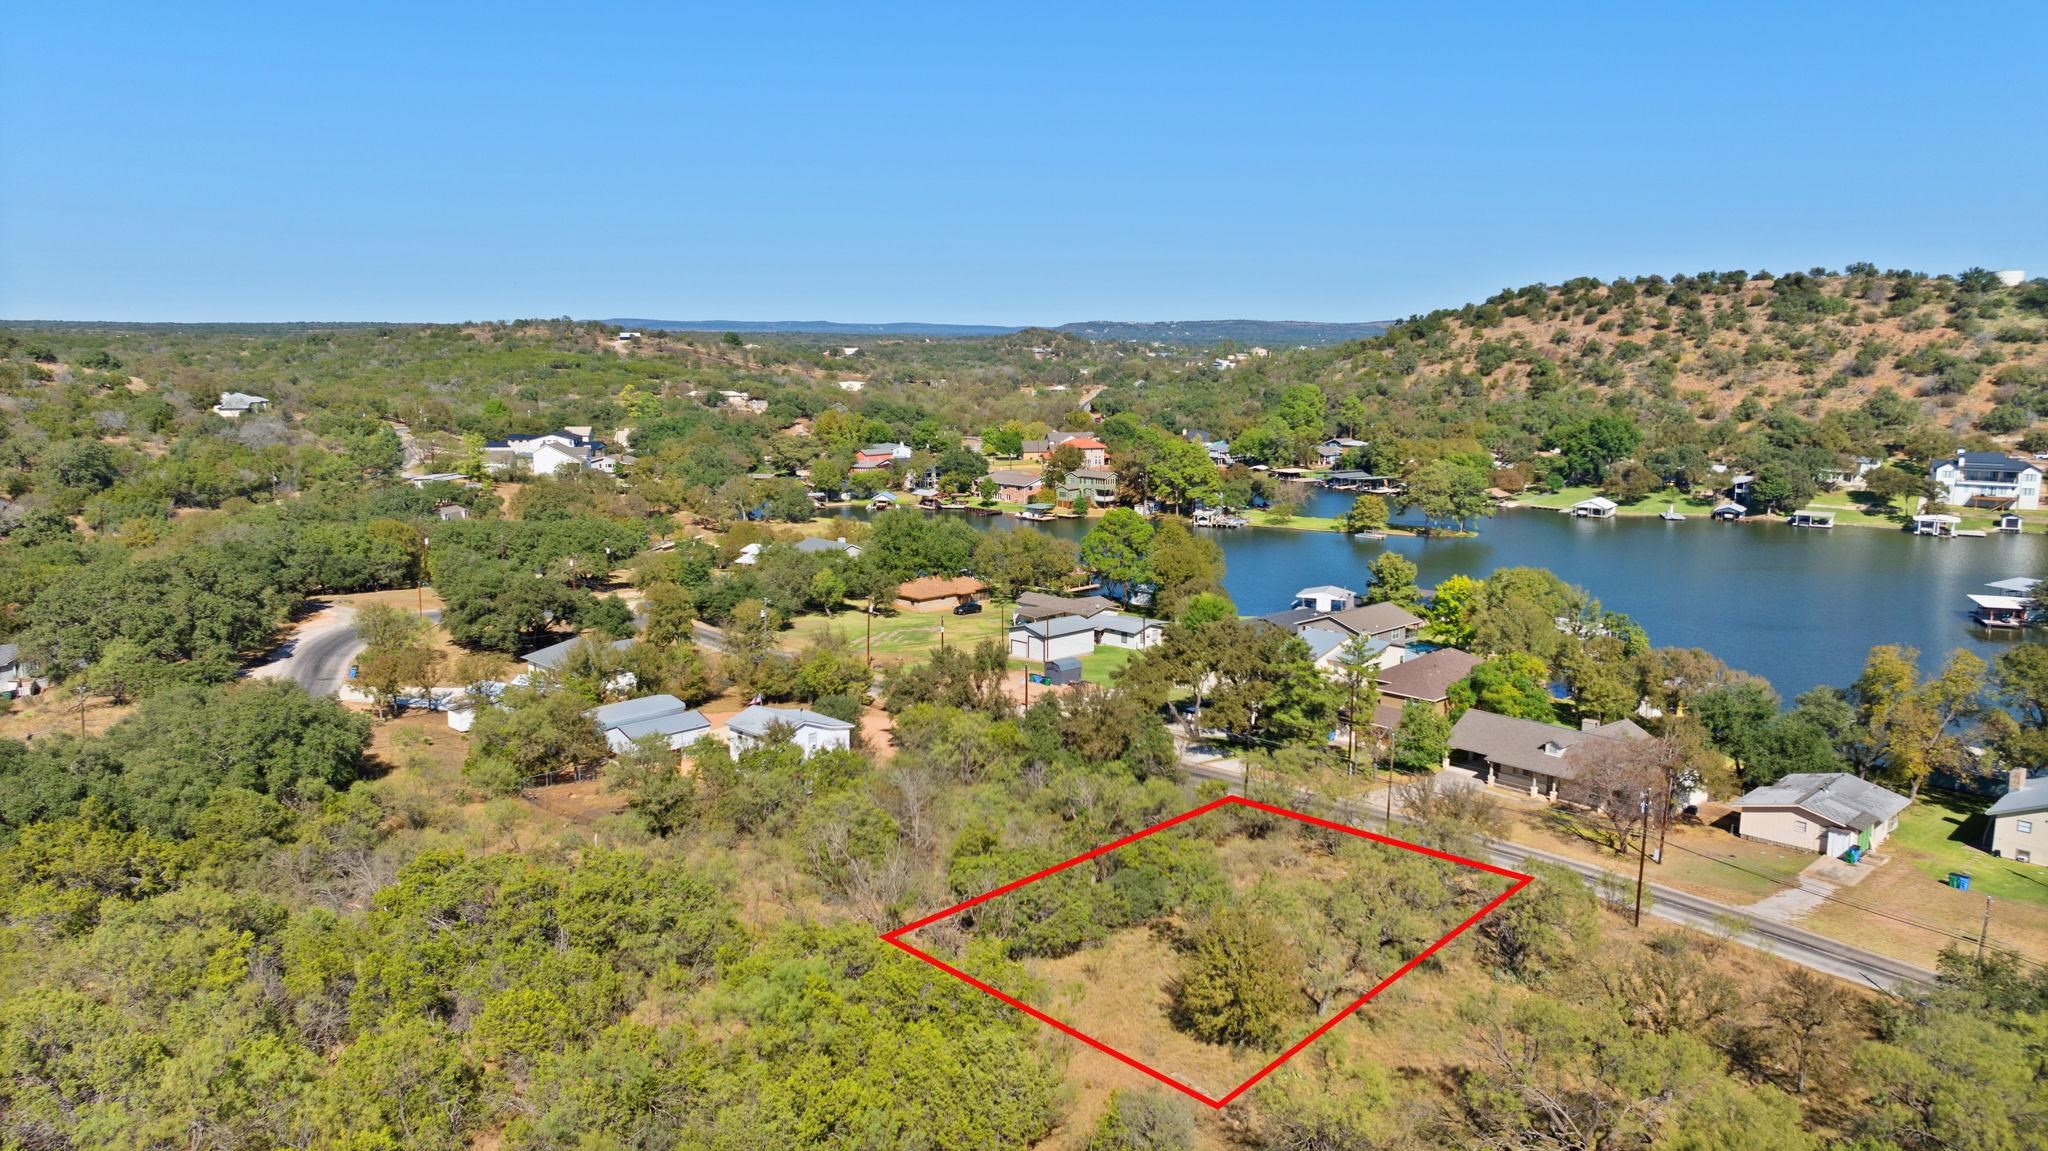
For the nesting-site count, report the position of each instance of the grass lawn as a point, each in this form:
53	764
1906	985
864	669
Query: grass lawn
1102	665
1649	505
901	637
1857	509
1940	834
1702	860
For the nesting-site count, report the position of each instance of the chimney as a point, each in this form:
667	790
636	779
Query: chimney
1588	724
2015	779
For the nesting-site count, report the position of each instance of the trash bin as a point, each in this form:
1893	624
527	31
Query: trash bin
1962	879
1853	855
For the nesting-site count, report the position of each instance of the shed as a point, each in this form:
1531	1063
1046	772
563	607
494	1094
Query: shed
1066	669
1598	508
937	593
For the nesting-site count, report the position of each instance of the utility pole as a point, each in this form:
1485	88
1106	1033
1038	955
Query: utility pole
1664	824
871	631
420	585
1351	725
1642	857
1984	933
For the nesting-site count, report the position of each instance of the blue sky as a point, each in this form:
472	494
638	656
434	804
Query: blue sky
984	163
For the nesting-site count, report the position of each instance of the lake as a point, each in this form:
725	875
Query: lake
1798	606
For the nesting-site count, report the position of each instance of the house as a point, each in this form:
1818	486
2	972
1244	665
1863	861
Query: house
1096	486
820	545
546	454
1596	508
1525	755
1379	620
1015	486
233	405
880	455
2013	827
1427	678
1326	598
1041	450
971	443
937	593
1823	812
1037	605
626	723
15	681
1061	636
1989	480
852	385
807	729
1329	649
447	512
550	659
1332	450
1094	453
750	554
1738	488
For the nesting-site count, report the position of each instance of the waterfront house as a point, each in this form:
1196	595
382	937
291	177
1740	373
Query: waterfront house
1934	524
1525	755
1812	518
1094	453
233	405
664	715
1332	450
1738	488
1094	486
1989	480
937	593
1015	486
2013	827
1598	508
1325	598
807	729
880	455
1823	812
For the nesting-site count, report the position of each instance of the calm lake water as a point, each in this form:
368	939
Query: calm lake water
1800	607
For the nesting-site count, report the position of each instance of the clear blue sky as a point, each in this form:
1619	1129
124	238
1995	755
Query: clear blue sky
990	163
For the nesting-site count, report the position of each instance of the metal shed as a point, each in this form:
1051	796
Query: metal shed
1066	669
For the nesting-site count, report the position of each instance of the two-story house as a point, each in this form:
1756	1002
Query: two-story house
1989	480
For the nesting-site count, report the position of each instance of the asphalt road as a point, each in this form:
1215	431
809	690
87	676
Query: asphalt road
1793	944
319	656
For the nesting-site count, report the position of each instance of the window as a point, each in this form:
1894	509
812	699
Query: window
2023	856
2026	827
1799	825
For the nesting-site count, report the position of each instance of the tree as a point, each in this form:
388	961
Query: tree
1016	561
1119	549
1422	738
1890	483
1367	513
1181	473
1393	581
1451	611
1144	1121
1587	446
1516	684
1357	666
1548	927
1449	491
1239	983
532	735
1183	564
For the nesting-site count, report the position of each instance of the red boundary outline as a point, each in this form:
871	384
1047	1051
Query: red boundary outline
895	938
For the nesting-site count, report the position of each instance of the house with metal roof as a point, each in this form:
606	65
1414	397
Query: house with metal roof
233	405
2016	826
1989	480
1823	812
1523	754
551	658
629	721
1061	636
810	730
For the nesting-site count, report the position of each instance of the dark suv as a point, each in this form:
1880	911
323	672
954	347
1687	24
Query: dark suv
971	607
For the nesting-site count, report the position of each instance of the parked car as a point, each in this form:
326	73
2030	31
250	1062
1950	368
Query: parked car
971	607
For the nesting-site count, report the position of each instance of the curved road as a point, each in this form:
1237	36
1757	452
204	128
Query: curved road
318	657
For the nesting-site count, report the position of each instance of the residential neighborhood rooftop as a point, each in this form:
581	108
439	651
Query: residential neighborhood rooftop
1834	796
756	720
1429	677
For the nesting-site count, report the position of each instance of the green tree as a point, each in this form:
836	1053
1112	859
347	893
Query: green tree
1393	581
1239	983
1367	513
1119	549
1422	738
1452	611
534	734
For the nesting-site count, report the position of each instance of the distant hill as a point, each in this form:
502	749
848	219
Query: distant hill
1198	333
820	327
1281	333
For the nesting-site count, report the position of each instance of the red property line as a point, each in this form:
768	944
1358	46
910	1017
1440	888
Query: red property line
895	939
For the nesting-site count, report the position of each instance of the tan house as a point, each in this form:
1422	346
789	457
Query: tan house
1016	486
2016	827
1826	813
937	593
1427	678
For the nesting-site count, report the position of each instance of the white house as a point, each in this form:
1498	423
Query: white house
550	660
822	545
852	385
807	729
1823	812
233	404
1989	480
1060	636
546	454
1326	598
629	721
750	554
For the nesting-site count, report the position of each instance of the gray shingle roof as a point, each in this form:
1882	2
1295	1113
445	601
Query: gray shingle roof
2031	798
1832	796
1428	677
1039	605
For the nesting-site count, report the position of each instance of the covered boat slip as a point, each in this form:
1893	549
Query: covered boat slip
2001	611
